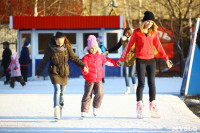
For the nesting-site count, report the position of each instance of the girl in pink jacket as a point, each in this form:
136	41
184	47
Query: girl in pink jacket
93	79
14	67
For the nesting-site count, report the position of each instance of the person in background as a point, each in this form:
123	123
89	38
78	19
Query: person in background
24	60
198	39
93	80
14	67
130	61
103	49
144	39
6	59
58	52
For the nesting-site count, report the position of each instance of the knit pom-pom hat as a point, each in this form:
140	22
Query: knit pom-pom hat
26	44
92	41
148	16
99	38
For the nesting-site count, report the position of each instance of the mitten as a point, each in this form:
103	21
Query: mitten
124	38
15	68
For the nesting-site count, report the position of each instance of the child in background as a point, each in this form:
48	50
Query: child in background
14	67
93	79
103	49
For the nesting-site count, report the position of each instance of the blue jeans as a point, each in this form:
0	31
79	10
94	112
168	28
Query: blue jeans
126	70
59	93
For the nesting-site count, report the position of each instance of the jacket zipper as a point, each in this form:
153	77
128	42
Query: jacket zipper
146	44
96	70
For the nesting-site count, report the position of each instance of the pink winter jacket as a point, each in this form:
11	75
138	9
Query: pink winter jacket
14	66
94	63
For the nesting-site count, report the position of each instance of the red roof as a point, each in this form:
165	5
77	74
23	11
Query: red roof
67	22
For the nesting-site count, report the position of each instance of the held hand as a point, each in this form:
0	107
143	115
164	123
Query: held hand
120	63
38	76
104	53
85	69
169	64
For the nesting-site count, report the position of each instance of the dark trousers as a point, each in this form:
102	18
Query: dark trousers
150	69
97	89
7	73
24	72
19	79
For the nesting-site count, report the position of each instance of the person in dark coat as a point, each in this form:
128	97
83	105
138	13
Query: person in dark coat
6	59
58	52
198	39
24	60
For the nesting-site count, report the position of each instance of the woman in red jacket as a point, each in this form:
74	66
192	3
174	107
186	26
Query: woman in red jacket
144	39
93	80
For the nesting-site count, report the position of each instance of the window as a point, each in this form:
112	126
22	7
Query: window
43	39
112	41
85	36
71	37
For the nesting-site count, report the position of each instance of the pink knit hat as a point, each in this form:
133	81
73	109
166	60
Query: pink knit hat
92	41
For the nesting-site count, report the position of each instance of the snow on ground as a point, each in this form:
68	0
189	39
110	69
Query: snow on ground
30	109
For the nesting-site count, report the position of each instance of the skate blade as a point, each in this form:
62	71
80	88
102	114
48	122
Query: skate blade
56	119
140	115
83	118
155	114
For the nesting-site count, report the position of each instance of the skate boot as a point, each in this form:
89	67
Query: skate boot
95	111
134	88
154	110
57	113
6	82
83	115
139	110
127	90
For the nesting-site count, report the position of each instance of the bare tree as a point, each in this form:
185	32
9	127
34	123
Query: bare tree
178	12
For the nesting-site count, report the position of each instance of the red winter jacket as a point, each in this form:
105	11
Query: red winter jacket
94	63
144	46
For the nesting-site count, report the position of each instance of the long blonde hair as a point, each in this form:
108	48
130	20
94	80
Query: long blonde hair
151	30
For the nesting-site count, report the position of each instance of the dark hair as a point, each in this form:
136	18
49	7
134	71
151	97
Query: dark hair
59	35
6	43
62	35
127	30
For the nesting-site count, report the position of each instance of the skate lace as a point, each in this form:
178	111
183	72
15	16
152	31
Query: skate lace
153	106
140	106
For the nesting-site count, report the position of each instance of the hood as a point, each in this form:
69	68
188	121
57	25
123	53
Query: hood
14	56
54	47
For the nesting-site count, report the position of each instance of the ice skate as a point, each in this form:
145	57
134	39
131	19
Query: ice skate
61	107
83	115
127	90
57	113
134	88
95	111
154	110
6	82
139	110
